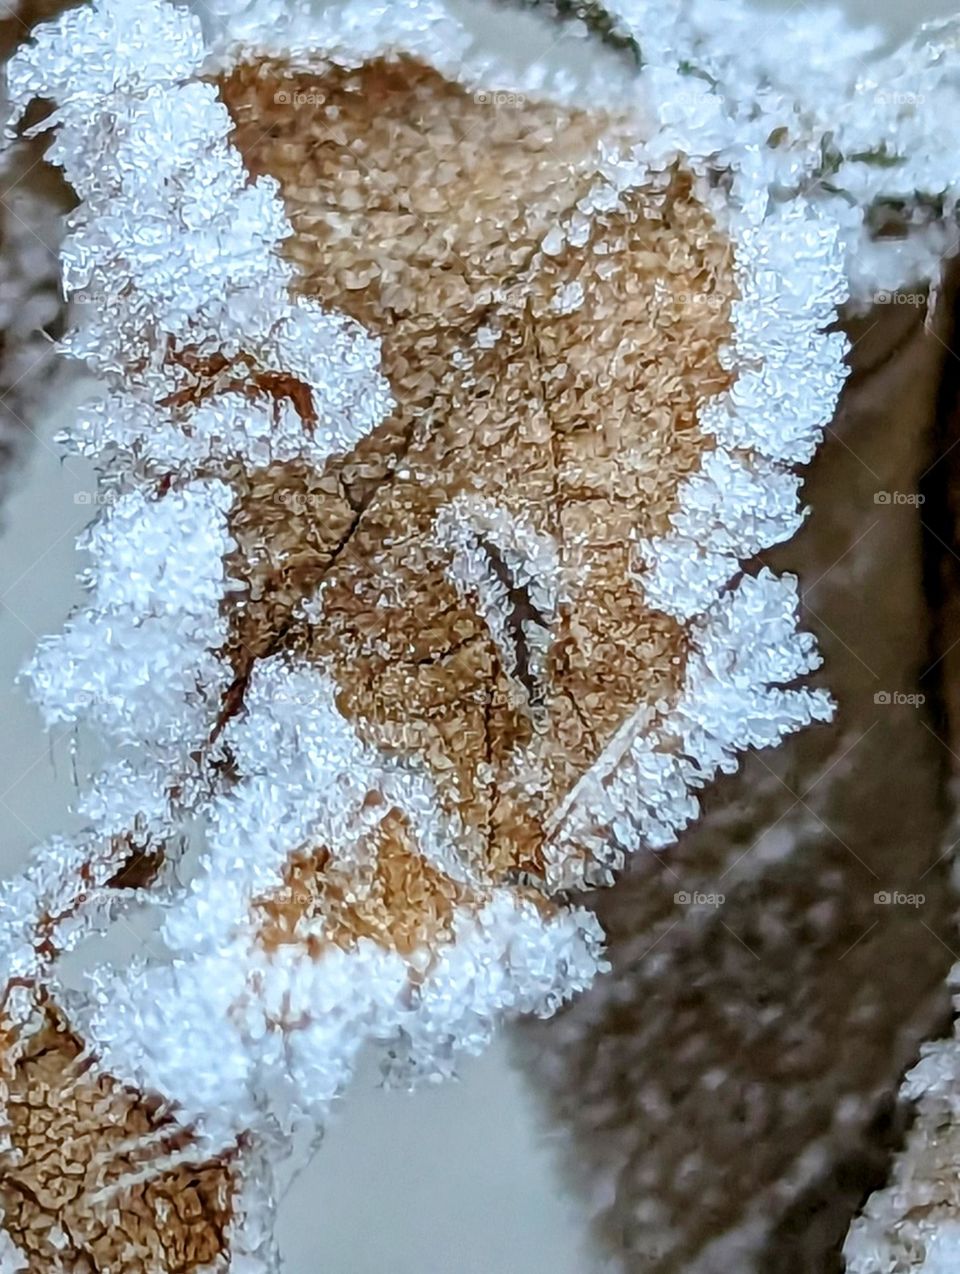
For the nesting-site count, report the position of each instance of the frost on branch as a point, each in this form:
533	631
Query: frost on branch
437	413
914	1223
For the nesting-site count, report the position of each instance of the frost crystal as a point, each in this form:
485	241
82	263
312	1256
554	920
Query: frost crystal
438	412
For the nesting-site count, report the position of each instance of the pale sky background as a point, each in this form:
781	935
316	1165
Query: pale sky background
460	1179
